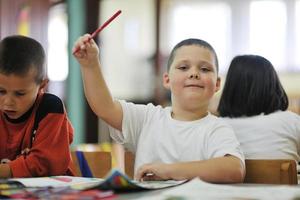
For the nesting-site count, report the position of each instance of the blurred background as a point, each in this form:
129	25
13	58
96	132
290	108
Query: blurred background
134	48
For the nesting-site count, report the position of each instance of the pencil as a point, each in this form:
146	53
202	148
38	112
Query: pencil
102	27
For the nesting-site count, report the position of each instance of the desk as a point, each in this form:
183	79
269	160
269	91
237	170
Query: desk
197	189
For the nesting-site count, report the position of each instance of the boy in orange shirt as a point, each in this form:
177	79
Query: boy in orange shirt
34	128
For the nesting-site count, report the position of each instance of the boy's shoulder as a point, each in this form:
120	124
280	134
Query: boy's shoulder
47	104
218	121
50	103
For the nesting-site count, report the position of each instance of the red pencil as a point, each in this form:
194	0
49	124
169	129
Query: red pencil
102	27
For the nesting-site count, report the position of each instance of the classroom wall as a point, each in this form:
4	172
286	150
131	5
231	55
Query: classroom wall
131	39
291	83
25	17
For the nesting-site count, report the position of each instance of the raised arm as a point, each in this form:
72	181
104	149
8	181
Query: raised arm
95	88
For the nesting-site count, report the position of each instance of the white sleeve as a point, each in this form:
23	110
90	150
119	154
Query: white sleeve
297	132
222	141
134	117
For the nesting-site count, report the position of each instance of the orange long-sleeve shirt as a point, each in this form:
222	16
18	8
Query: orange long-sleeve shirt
50	152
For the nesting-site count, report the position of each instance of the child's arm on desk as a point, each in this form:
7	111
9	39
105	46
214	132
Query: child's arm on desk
95	88
227	169
5	171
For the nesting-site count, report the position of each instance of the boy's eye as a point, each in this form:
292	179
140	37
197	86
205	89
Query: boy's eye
20	94
2	92
182	67
205	69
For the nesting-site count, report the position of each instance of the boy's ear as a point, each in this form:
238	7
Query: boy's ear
44	84
218	84
166	80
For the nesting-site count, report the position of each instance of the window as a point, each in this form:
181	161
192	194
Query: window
58	43
268	31
297	24
209	21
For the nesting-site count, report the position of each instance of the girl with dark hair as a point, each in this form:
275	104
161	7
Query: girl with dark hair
255	104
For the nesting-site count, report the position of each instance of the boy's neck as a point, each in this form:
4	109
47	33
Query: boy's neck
183	115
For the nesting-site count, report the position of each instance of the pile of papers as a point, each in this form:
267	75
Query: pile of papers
69	187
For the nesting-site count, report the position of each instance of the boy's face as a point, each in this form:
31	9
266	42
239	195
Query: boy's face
18	93
192	77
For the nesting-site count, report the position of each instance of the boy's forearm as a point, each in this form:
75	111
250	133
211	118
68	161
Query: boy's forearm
228	169
5	171
98	95
95	89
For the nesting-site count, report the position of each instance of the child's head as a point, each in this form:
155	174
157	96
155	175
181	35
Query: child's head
192	41
252	87
22	74
192	75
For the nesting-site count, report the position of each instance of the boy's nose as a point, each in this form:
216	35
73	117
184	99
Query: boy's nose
195	75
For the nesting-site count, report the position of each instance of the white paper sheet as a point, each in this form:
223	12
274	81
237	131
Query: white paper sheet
57	181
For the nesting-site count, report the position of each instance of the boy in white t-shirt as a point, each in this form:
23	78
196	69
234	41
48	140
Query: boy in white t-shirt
179	142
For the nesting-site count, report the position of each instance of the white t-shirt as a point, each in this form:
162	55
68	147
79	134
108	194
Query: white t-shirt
272	136
154	136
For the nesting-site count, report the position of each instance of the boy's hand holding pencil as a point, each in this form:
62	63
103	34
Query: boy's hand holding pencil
75	50
85	48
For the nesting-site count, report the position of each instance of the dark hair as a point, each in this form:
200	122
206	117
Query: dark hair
192	41
19	54
252	87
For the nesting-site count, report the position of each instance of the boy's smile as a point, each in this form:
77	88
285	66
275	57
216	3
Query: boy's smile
194	84
17	93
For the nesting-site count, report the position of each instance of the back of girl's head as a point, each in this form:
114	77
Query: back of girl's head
252	87
20	54
188	42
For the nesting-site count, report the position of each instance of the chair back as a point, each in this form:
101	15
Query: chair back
91	163
271	172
